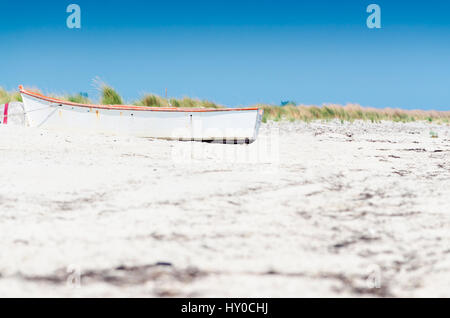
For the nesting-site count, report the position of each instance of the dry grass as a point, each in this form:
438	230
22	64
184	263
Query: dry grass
7	97
185	102
152	100
75	98
350	113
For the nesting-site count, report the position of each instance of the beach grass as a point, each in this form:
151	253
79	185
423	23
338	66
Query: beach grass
289	112
78	98
349	113
109	96
7	97
74	98
153	100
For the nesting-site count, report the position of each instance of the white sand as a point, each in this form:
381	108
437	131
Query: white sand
333	210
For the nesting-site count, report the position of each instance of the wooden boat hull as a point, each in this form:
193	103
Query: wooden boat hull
190	124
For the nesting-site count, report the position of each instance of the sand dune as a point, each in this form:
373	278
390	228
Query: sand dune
319	209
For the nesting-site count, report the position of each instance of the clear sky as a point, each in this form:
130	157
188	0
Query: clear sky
234	52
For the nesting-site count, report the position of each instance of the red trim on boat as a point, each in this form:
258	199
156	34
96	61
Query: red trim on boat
5	114
130	107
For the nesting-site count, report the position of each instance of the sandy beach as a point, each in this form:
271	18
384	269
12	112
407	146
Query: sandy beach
324	209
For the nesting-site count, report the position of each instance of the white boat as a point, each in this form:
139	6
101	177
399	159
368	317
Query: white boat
224	125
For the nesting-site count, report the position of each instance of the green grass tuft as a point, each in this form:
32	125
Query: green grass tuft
109	96
78	98
175	102
153	101
7	97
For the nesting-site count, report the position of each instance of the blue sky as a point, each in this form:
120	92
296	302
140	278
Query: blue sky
234	52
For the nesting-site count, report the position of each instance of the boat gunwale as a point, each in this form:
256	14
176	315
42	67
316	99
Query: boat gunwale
131	107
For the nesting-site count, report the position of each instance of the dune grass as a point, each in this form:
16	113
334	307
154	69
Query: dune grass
74	98
289	112
78	98
7	97
153	100
350	112
109	96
